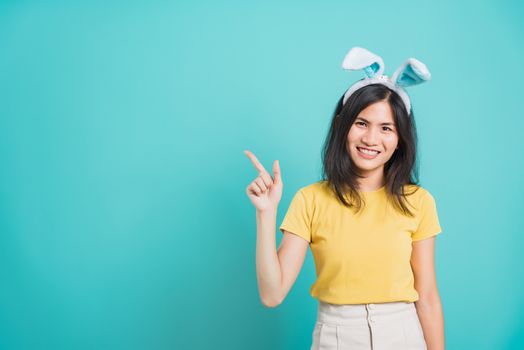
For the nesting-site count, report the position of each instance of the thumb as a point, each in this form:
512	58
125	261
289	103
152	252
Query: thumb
276	172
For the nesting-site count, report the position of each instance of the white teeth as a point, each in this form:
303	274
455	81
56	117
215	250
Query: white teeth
363	150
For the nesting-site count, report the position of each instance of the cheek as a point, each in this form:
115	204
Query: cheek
391	141
353	135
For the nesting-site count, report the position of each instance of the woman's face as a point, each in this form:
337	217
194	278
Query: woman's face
374	129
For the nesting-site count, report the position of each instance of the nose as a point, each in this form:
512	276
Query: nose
371	136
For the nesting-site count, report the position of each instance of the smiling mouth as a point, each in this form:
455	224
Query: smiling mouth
368	151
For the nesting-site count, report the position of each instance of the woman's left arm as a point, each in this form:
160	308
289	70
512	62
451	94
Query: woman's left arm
429	307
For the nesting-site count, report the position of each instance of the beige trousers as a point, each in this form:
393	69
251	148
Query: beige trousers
384	326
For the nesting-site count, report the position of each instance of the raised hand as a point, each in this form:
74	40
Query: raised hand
265	192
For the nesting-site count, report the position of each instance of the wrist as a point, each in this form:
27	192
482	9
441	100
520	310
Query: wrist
267	212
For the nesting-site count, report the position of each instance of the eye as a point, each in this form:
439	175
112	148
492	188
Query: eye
388	128
360	123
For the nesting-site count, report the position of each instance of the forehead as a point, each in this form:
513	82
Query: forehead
378	112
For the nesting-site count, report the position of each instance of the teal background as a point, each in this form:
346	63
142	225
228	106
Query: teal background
124	222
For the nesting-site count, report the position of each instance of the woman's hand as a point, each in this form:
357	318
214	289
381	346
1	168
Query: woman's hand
265	192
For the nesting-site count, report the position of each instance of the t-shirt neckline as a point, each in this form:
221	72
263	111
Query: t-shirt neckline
379	190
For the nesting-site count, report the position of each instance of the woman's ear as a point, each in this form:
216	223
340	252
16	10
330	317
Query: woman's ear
411	72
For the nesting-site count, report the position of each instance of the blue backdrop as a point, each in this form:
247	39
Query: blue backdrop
124	222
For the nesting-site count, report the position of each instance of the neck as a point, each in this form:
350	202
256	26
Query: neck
372	181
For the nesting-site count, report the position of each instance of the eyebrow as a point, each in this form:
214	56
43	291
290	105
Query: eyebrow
367	121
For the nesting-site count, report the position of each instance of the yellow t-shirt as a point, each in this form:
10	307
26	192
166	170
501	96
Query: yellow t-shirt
361	257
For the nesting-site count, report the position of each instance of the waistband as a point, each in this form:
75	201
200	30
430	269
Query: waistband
356	314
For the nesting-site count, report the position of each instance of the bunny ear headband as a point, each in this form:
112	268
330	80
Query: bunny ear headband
411	72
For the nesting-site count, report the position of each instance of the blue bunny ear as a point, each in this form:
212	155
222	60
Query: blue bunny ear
359	58
411	72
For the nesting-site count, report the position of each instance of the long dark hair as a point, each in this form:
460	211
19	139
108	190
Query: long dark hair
339	170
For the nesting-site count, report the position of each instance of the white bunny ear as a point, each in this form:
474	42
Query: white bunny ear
411	72
359	58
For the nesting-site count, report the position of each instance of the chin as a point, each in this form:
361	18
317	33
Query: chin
366	166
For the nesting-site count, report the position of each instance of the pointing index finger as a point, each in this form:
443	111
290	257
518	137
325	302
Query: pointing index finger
255	162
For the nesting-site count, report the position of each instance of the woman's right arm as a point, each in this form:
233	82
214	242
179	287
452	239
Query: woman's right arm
276	270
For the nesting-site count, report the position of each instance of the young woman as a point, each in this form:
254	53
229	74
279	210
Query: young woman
371	228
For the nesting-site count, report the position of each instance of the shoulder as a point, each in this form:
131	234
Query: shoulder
315	193
416	190
316	189
418	194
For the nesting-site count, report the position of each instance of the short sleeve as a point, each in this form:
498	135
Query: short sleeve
298	217
429	222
